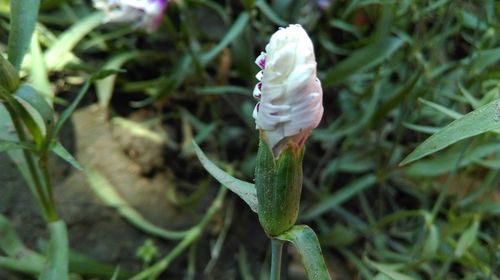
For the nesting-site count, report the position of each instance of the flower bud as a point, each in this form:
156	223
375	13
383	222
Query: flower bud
9	79
146	14
290	107
290	94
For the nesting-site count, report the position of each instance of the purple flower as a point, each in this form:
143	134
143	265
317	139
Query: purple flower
146	14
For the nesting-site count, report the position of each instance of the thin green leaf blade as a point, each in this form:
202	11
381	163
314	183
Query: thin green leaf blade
56	55
235	30
105	86
244	190
481	120
59	150
390	270
341	196
7	145
106	192
23	15
362	59
306	242
467	238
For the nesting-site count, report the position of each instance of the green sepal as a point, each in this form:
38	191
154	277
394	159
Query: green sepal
9	79
279	184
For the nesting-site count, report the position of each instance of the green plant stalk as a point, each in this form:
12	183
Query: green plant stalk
192	235
276	252
48	210
56	266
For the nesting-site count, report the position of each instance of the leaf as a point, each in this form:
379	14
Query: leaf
307	244
447	161
23	15
362	59
106	192
56	266
440	108
467	238
485	118
340	196
390	270
37	114
269	13
431	243
59	150
7	145
30	96
7	132
105	86
38	74
222	90
239	25
244	190
20	258
83	90
57	55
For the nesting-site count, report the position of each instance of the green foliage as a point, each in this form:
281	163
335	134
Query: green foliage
394	74
307	244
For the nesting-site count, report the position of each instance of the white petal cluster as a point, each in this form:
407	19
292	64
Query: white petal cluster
145	14
290	94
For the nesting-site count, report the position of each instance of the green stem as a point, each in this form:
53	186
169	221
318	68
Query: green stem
28	157
40	187
276	250
43	164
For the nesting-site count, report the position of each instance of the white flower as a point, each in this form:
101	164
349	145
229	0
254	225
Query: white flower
145	13
290	94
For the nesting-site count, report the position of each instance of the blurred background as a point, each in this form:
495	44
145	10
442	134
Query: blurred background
393	73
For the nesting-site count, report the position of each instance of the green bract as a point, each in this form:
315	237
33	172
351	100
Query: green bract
9	79
278	182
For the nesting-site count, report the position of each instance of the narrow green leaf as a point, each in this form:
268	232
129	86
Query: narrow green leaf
307	244
270	13
481	120
362	59
83	90
467	238
23	15
59	150
221	90
30	96
398	97
390	270
7	132
244	190
105	86
38	115
421	128
116	273
440	108
340	196
56	266
56	55
7	145
431	243
239	25
107	193
38	74
447	161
